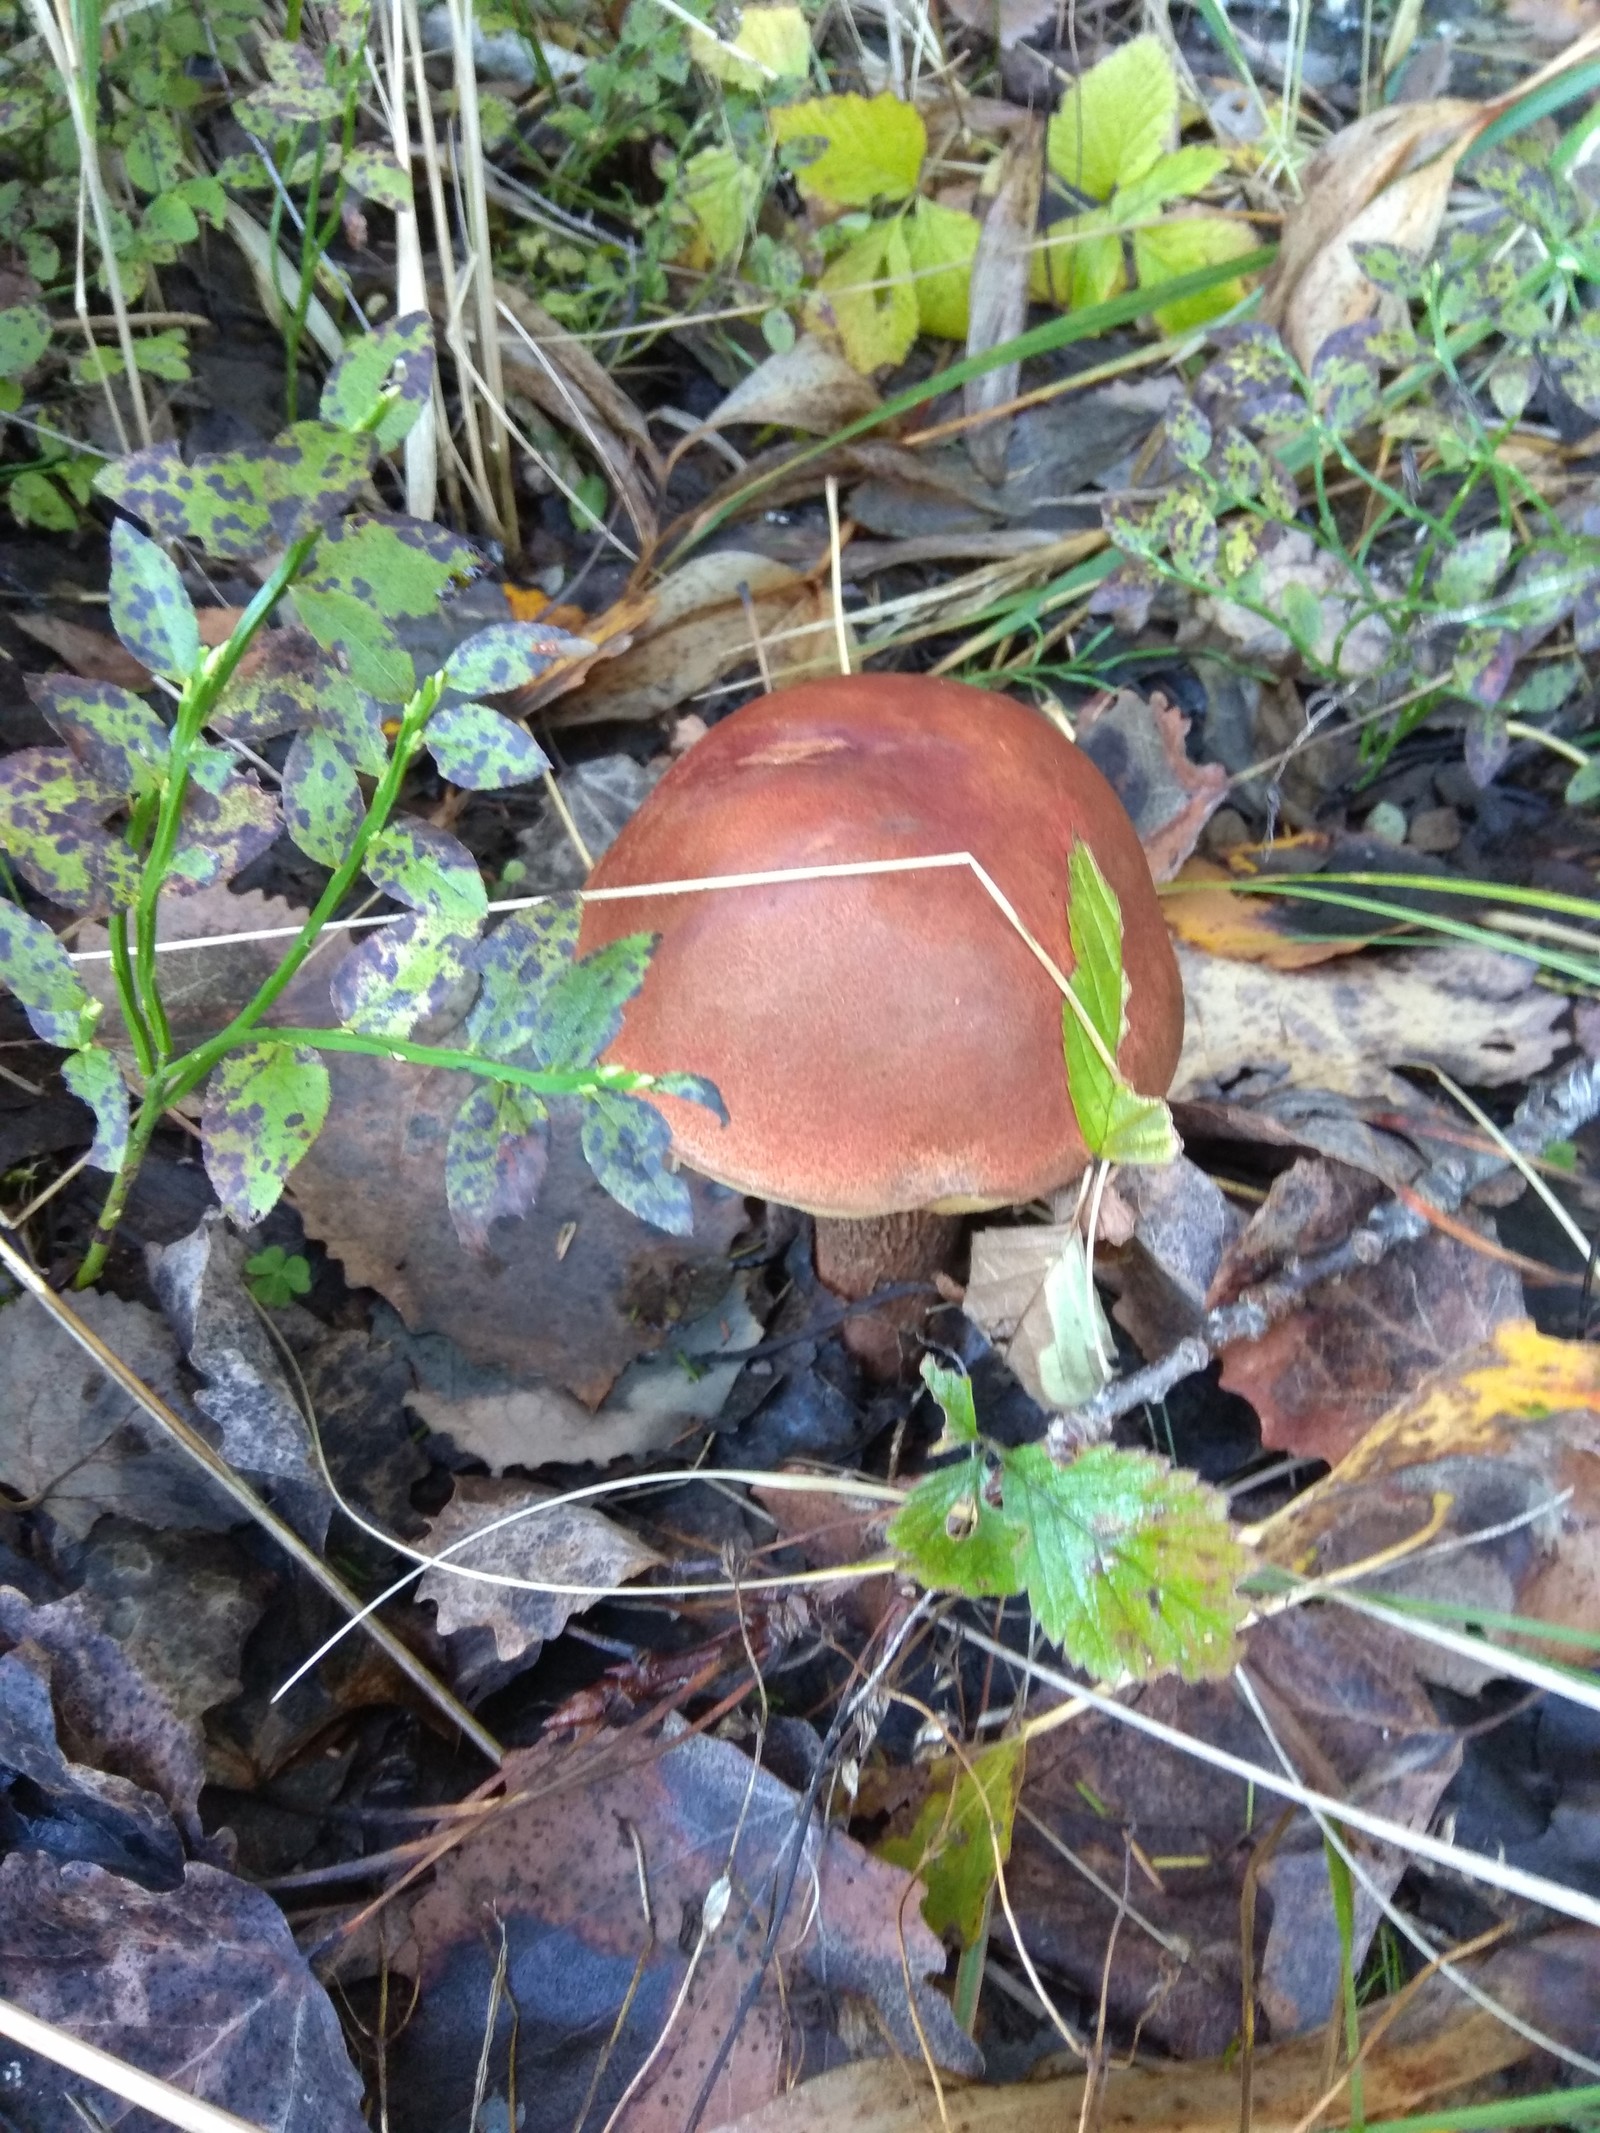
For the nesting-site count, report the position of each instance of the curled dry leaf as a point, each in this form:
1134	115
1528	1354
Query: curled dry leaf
998	297
809	387
1386	178
1210	914
1138	745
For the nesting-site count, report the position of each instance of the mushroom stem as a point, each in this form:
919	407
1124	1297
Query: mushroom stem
855	1256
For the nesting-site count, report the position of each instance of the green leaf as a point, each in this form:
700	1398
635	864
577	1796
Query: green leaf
222	832
962	1836
867	299
626	1143
1072	1369
94	1078
35	500
401	975
506	656
152	151
1180	244
343	622
38	970
310	472
322	803
375	175
24	337
264	1106
495	1159
1115	121
1546	688
953	1538
718	198
150	611
431	871
396	357
940	245
115	735
481	749
276	1277
953	1391
218	501
580	1012
1116	1122
769	45
518	964
1300	611
1082	263
848	151
395	566
169	219
51	823
207	198
296	93
1472	568
1130	1565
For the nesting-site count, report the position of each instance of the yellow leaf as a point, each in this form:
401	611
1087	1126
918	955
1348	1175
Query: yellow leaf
1115	120
847	151
1180	244
868	299
1081	264
771	44
941	242
720	195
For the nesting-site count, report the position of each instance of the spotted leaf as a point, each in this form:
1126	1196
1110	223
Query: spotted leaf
481	749
517	964
221	832
355	629
218	502
311	471
322	805
38	970
115	736
52	824
150	611
401	975
576	1017
495	1159
94	1078
626	1143
399	566
264	1107
507	655
431	871
397	358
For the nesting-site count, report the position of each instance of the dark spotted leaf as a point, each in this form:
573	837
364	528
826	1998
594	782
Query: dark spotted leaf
150	611
400	975
1546	689
400	566
351	718
1188	433
1239	548
1573	360
221	832
694	1089
310	472
626	1143
495	1159
1128	593
211	768
1529	189
1132	527
94	1078
517	964
219	502
1511	384
577	1016
1190	529
1390	267
397	357
953	1537
1345	383
265	704
1279	491
506	655
115	736
379	665
38	970
322	805
1236	465
431	871
1257	377
264	1106
1473	567
24	337
481	749
1586	620
296	93
51	823
1484	662
1130	1565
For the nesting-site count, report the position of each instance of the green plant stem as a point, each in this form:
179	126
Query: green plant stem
128	994
543	1081
146	1120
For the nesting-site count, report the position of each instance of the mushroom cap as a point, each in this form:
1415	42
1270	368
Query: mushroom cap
882	1042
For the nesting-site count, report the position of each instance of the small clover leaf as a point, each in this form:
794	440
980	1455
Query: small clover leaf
275	1277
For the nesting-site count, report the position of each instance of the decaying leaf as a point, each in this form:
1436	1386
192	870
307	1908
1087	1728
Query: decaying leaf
810	387
1209	914
999	290
1138	743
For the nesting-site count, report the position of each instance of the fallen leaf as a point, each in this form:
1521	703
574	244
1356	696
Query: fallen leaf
1138	745
809	387
1210	914
1182	1226
700	631
596	1989
1477	1014
77	1444
998	295
1386	177
92	654
1311	1206
202	1984
574	1545
1007	21
608	635
1012	1298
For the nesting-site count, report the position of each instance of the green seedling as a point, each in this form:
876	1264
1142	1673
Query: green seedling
276	1277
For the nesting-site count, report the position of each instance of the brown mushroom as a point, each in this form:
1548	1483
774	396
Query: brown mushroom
886	1044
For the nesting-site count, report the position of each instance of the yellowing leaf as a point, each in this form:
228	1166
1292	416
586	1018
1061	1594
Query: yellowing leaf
966	1817
771	44
1180	244
720	195
940	242
1081	264
1173	177
847	151
868	299
1116	120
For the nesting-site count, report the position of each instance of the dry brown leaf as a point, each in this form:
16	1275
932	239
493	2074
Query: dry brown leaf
1315	285
581	369
999	291
1211	915
1005	1296
92	654
1476	1014
1007	21
608	635
1138	745
809	387
700	631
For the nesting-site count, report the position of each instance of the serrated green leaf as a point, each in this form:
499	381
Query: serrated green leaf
867	299
150	610
431	871
495	1159
482	750
342	622
941	243
222	832
1182	244
52	824
264	1106
1081	264
115	735
962	1836
1129	1565
719	195
401	975
952	1389
1115	121
397	357
848	151
953	1538
506	656
626	1143
24	337
94	1078
322	804
1073	1368
38	970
